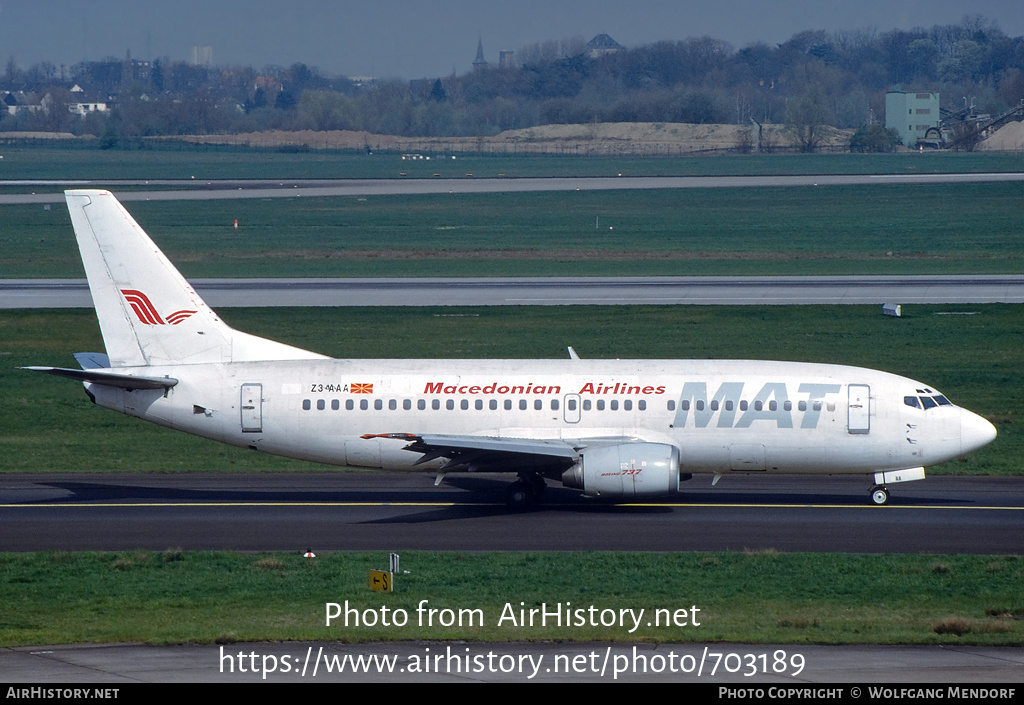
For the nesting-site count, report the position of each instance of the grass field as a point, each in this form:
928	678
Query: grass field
922	229
762	597
186	162
976	360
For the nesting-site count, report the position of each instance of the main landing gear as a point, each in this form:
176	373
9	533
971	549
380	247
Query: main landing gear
526	491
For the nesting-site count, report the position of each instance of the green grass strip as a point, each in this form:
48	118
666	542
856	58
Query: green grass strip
763	597
880	229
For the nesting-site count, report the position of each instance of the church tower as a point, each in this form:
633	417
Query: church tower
479	62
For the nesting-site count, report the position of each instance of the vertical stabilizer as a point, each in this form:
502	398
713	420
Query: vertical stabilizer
148	313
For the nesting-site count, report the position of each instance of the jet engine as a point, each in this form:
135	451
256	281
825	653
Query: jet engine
628	470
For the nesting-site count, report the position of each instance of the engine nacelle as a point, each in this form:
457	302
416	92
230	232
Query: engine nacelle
628	470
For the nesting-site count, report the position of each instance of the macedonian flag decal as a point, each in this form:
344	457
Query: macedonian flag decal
361	388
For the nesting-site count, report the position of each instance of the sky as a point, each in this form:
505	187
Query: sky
429	38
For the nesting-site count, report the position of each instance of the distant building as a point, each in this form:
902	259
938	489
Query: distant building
915	116
507	59
83	103
602	44
15	102
480	62
202	56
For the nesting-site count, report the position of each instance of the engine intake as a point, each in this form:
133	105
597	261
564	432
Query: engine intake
627	470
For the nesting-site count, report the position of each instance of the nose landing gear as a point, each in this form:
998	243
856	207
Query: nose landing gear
879	495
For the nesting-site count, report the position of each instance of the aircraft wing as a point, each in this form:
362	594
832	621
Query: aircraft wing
488	453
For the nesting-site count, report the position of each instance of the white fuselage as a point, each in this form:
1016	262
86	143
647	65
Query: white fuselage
723	415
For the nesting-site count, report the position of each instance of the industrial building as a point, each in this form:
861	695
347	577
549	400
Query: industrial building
915	116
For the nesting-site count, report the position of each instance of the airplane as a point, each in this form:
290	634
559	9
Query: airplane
622	430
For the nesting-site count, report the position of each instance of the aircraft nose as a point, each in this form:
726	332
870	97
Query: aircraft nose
975	431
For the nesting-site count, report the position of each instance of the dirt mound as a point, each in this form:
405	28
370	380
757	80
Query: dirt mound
1008	138
37	136
644	138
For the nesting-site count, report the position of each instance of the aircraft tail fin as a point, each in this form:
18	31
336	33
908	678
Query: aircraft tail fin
148	313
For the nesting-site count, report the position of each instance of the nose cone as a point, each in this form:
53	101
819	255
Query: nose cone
975	432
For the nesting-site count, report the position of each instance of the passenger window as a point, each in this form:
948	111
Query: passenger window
364	404
479	404
335	404
802	406
321	405
571	404
306	405
538	404
406	404
522	405
435	404
494	405
671	405
615	405
641	405
450	405
508	405
392	404
600	404
743	405
349	405
464	404
728	405
421	404
586	405
378	404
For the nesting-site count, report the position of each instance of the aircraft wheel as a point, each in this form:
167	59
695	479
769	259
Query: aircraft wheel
519	495
879	496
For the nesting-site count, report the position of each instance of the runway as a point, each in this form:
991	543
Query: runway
555	291
361	511
200	190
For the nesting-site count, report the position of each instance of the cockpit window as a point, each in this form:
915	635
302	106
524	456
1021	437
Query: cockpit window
926	402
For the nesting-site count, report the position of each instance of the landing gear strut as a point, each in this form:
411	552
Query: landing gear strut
525	491
879	495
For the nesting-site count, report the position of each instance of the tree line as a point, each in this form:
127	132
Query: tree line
840	78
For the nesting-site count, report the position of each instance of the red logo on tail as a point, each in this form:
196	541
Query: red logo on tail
147	313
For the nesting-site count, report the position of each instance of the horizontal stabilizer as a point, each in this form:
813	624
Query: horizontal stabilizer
110	379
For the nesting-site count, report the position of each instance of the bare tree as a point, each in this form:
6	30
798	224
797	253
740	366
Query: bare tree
805	119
